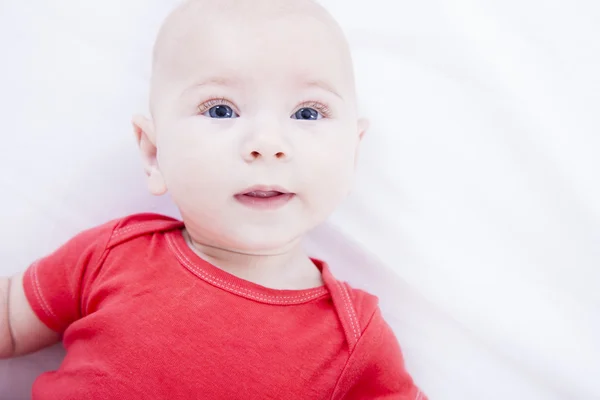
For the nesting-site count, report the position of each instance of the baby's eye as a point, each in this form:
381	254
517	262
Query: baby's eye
221	111
307	114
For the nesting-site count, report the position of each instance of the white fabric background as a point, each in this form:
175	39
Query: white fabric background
478	190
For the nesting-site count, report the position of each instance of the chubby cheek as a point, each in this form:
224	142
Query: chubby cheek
329	175
194	161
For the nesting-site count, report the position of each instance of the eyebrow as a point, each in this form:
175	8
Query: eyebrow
217	81
322	85
212	81
222	81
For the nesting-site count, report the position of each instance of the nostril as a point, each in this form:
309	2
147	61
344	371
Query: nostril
255	154
280	155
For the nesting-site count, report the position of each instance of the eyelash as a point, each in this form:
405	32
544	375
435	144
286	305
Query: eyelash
207	105
322	108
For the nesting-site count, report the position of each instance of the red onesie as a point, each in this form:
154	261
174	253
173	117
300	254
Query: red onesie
143	317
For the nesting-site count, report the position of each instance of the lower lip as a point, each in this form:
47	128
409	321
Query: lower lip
265	203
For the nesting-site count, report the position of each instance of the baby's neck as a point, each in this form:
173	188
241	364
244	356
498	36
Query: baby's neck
290	269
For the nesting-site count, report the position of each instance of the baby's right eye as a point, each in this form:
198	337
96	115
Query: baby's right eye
216	109
220	112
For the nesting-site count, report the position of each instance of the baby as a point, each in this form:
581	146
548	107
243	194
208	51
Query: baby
254	132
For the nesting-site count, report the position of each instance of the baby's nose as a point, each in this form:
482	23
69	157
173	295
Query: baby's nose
267	145
254	155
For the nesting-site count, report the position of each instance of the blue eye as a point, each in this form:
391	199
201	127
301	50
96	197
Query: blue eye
220	112
307	114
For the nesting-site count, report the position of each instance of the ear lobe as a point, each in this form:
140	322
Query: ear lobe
144	135
363	126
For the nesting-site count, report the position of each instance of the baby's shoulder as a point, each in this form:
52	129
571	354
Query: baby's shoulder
136	225
360	306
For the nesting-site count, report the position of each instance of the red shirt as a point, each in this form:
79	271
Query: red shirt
143	317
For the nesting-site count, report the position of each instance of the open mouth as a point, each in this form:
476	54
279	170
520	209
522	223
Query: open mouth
261	194
264	197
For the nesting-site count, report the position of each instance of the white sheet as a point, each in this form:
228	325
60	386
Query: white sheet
478	190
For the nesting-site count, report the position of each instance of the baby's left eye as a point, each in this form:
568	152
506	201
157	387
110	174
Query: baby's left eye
307	114
220	112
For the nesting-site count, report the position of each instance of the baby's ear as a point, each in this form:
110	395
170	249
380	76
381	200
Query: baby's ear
363	126
143	129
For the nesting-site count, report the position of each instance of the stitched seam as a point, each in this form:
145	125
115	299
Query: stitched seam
39	295
127	229
354	314
188	263
235	288
191	265
351	312
350	353
122	231
245	292
98	263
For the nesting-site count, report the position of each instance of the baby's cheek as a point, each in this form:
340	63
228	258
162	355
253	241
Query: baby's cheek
190	150
329	183
182	170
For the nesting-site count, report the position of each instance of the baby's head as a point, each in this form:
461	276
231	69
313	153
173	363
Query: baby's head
254	129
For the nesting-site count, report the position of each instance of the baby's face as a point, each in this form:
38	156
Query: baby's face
255	126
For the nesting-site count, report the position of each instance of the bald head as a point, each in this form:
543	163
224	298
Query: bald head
192	15
199	32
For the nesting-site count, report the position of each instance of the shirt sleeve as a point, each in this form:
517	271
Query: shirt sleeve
56	284
375	369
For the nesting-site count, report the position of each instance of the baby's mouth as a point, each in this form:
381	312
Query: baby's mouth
262	197
262	194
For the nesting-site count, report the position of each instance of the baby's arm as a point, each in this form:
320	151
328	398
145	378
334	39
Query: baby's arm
21	331
37	306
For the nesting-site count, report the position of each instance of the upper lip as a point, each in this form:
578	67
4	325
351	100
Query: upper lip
264	188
